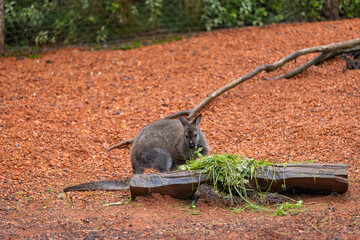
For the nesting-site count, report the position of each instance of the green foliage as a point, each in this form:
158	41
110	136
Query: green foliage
25	22
33	55
237	13
229	171
212	14
286	208
154	7
46	22
230	175
349	8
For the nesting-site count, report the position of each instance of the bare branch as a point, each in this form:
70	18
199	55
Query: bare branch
317	60
326	52
174	115
302	68
327	48
225	88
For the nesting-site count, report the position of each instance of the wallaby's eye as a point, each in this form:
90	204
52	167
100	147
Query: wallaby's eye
186	136
195	135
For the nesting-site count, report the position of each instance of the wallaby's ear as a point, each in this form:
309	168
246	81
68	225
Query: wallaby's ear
197	120
183	121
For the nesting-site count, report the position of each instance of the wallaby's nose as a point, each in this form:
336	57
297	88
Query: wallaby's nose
191	144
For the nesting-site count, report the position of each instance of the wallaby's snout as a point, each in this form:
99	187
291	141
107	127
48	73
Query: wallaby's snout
191	136
191	143
191	131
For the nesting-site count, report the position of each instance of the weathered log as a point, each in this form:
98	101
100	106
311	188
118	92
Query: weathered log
178	184
293	178
303	178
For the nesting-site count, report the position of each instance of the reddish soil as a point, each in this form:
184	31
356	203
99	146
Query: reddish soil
59	112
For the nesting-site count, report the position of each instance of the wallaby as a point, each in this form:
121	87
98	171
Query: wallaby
161	145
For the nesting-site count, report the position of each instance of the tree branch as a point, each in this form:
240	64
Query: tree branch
326	52
302	68
317	60
174	115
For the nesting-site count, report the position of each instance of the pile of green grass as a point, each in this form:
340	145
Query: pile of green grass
230	175
231	172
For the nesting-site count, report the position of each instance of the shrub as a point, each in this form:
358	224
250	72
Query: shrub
45	22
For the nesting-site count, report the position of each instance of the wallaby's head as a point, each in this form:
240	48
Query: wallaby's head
191	131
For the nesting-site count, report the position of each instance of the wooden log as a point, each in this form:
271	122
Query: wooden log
293	178
178	184
303	178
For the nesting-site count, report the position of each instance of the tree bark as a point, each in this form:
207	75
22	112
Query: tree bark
332	9
2	28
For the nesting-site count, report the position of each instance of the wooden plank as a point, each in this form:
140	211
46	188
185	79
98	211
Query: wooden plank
294	178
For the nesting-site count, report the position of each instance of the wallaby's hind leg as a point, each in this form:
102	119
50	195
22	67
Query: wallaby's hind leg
158	159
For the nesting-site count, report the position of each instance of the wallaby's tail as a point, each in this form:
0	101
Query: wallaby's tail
120	144
112	185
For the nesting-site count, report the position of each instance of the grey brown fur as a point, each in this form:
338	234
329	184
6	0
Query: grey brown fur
161	145
165	144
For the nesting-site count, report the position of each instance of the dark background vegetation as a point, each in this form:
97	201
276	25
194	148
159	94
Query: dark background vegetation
30	23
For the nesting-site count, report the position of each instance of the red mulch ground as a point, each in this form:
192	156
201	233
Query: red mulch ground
59	112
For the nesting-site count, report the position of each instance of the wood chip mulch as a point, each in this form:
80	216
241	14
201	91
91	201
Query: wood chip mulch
60	111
